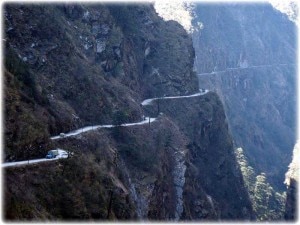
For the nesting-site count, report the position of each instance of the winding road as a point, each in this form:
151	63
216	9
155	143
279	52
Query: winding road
150	100
146	120
95	127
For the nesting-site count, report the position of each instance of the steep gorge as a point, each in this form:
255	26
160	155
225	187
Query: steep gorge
73	65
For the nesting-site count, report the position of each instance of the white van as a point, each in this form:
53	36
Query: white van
57	153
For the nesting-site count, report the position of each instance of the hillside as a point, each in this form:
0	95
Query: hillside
77	65
69	66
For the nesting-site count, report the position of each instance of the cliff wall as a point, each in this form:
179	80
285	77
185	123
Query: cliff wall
247	54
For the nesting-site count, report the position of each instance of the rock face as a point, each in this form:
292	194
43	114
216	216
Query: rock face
69	66
247	53
76	65
210	160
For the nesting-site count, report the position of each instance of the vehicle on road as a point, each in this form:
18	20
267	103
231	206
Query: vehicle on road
57	153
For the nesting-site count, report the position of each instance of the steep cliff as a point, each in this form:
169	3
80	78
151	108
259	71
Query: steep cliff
255	57
247	54
262	122
74	65
213	179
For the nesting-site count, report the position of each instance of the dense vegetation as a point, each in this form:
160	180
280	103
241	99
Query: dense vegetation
268	204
